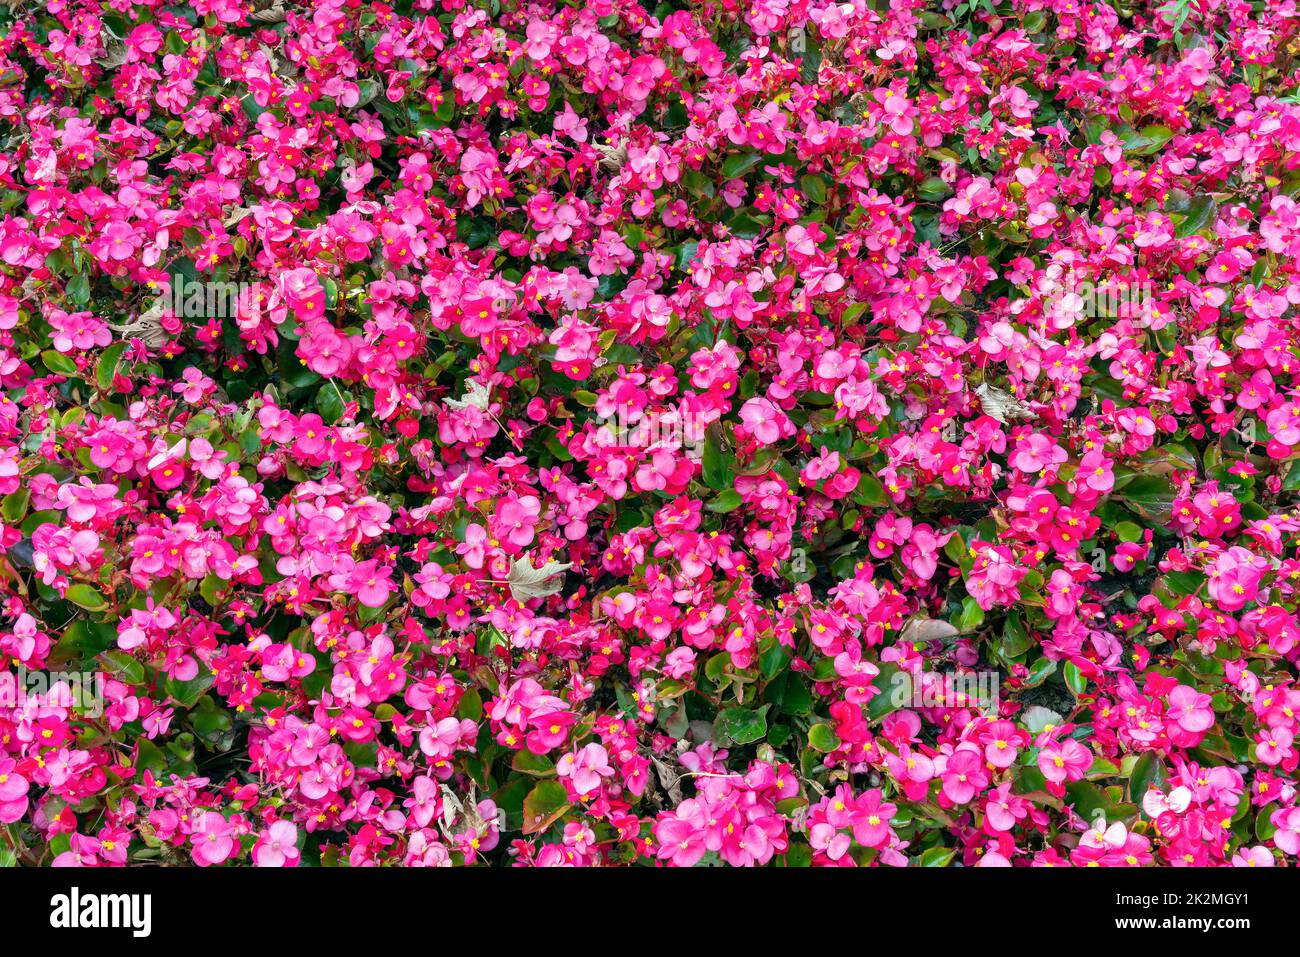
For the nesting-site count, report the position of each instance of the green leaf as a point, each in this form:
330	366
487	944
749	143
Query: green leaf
106	369
1264	826
1128	531
1167	459
477	232
716	666
534	765
471	705
789	692
1101	768
210	589
799	855
742	725
1184	583
668	690
210	721
1151	496
14	505
1015	639
1074	679
544	804
686	254
1040	671
938	857
87	597
870	492
746	226
933	189
738	164
811	63
972	615
78	289
814	187
329	403
716	464
1148	772
726	501
122	666
149	758
823	738
187	693
1292	481
1148	140
885	700
84	639
1094	126
1197	212
772	659
58	363
1089	800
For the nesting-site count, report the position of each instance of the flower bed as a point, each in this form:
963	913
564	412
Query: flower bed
777	434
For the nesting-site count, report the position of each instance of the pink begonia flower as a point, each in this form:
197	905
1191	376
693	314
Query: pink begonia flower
765	421
213	839
1256	856
1191	709
13	792
584	769
964	776
277	846
1066	760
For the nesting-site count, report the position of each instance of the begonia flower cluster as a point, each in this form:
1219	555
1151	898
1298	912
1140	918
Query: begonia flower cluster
726	432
